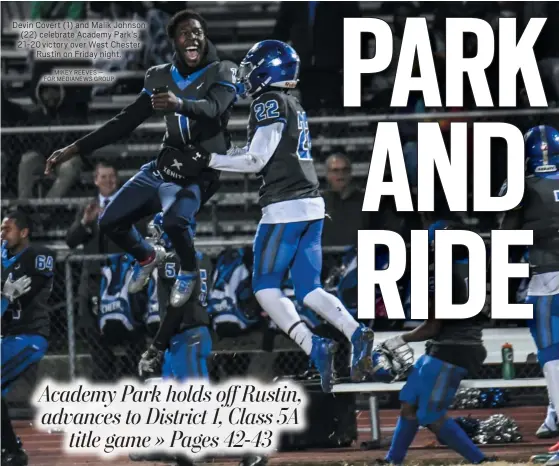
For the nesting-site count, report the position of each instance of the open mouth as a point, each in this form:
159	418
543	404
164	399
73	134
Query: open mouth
192	53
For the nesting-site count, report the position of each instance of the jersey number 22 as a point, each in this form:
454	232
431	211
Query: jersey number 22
304	146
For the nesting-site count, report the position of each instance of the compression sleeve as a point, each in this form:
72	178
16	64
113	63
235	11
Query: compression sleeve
254	158
119	126
216	102
168	327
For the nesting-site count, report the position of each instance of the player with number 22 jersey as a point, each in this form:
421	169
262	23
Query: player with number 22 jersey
290	231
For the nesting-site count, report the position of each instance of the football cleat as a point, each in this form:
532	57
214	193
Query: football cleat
142	274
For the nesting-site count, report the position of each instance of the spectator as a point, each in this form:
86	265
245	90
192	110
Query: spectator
344	204
53	108
85	232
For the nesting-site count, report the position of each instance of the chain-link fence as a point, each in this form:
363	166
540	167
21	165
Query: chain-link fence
77	347
80	349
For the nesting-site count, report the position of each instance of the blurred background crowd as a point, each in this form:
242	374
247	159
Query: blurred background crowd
39	118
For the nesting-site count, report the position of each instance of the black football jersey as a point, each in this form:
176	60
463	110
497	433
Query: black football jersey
540	213
460	331
180	130
195	312
290	174
29	314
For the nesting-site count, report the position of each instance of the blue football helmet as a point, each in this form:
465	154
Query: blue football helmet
270	63
392	365
541	149
156	233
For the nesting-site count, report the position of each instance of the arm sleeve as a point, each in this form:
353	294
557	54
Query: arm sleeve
255	157
217	101
172	316
219	98
168	327
121	125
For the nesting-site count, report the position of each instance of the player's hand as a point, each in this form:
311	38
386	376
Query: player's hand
15	289
91	213
394	343
60	156
199	156
150	361
166	101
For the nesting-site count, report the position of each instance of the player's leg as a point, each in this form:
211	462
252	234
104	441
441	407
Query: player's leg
189	352
275	246
19	353
135	200
550	425
180	206
439	382
407	424
305	271
545	331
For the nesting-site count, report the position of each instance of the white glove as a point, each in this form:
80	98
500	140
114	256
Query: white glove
150	361
14	289
394	343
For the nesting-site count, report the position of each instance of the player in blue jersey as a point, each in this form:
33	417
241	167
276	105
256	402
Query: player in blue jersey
454	349
183	342
27	276
539	212
290	231
194	94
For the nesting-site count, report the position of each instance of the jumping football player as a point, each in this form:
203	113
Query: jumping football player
183	342
195	94
454	349
539	211
28	271
290	231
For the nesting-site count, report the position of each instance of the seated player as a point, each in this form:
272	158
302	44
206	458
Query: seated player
539	212
28	271
293	211
454	349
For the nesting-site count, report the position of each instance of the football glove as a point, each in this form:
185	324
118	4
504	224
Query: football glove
150	362
13	289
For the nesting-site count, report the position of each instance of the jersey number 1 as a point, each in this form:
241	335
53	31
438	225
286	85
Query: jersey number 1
304	147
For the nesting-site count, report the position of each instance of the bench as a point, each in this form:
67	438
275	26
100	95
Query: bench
524	352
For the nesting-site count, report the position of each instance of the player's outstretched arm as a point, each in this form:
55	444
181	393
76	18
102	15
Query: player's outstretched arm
116	128
254	158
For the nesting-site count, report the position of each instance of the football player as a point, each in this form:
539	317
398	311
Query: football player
290	231
28	271
454	349
183	342
539	212
194	94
